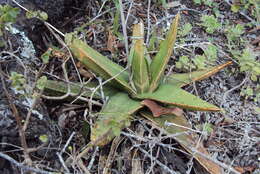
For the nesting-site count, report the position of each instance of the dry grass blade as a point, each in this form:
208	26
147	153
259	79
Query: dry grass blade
136	161
111	156
136	164
102	160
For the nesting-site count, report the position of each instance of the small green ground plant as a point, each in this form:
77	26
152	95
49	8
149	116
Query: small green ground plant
206	2
18	80
249	64
210	23
234	32
186	29
8	15
199	62
141	90
246	58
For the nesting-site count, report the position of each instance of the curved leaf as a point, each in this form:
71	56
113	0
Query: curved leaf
139	64
183	79
176	96
161	59
53	87
101	65
115	116
187	141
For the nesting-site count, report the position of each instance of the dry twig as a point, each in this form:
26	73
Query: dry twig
124	26
27	158
23	167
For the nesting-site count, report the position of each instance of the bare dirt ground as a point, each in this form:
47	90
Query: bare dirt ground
45	136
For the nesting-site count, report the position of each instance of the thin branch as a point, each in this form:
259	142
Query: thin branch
46	23
20	165
18	59
102	6
67	82
177	125
101	84
166	168
63	150
111	156
129	11
35	99
124	26
66	46
91	144
148	22
93	19
93	157
232	89
223	165
18	121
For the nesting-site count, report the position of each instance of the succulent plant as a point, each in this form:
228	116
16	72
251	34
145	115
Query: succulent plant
142	89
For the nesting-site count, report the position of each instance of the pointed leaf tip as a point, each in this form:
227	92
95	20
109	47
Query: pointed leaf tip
139	65
183	79
161	59
173	95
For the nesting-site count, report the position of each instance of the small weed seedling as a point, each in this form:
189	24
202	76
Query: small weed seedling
185	29
8	15
206	2
210	23
199	62
248	63
18	80
233	33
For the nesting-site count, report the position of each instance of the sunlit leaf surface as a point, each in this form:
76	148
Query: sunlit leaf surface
115	116
176	96
161	59
139	63
101	65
